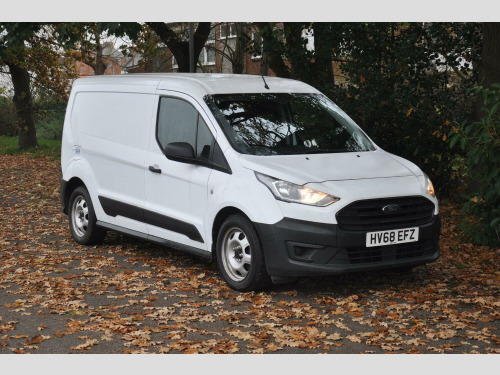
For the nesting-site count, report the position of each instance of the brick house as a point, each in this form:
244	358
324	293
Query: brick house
214	57
114	59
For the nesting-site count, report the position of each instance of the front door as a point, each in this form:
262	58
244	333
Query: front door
176	192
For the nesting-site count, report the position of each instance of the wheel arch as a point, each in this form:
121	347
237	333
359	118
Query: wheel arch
68	189
221	216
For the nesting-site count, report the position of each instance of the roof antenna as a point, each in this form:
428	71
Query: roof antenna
265	84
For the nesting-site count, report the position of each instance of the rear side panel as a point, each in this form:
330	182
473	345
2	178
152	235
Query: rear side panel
108	136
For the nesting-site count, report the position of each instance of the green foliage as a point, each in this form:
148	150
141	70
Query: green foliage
13	36
49	118
71	33
481	142
404	83
395	86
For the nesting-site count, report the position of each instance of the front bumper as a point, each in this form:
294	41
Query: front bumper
303	248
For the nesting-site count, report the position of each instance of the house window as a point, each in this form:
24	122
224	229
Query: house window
210	56
227	30
257	45
207	56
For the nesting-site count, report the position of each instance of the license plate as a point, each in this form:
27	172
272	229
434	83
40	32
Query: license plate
391	237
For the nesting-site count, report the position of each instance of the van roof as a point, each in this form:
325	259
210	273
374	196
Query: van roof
202	83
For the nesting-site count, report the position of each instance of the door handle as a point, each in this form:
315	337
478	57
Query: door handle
154	169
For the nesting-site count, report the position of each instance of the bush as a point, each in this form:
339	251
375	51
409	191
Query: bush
481	142
394	86
49	115
49	118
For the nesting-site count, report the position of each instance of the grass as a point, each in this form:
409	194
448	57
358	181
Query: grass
8	146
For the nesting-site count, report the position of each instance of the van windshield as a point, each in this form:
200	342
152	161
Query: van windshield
286	124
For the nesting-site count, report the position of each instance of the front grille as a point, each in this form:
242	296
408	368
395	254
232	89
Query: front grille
364	255
367	215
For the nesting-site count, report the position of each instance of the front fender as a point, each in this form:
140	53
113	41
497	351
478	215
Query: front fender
244	193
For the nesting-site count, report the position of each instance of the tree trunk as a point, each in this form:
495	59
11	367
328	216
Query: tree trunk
24	106
271	56
323	69
182	58
297	52
100	66
489	66
239	49
489	70
180	49
264	62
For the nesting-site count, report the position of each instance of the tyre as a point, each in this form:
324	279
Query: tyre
82	219
240	256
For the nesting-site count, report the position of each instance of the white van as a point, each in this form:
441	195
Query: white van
265	175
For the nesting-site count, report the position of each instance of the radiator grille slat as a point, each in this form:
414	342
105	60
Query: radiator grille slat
367	215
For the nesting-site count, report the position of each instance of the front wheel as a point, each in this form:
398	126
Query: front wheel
240	256
82	219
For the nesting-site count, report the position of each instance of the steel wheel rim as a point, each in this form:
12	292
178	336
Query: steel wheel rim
80	216
236	254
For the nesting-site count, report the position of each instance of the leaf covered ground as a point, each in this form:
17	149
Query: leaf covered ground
130	296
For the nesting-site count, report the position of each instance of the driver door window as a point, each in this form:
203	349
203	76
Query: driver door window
179	121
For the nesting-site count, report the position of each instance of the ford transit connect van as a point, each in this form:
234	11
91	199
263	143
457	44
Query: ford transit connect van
267	176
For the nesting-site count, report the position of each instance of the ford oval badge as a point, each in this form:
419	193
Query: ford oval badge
391	208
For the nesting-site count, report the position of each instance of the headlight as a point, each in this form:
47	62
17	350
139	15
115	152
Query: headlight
428	186
288	192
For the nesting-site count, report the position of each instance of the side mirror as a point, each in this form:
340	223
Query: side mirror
180	151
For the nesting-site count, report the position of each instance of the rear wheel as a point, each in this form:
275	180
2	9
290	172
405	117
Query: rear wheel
240	256
82	219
